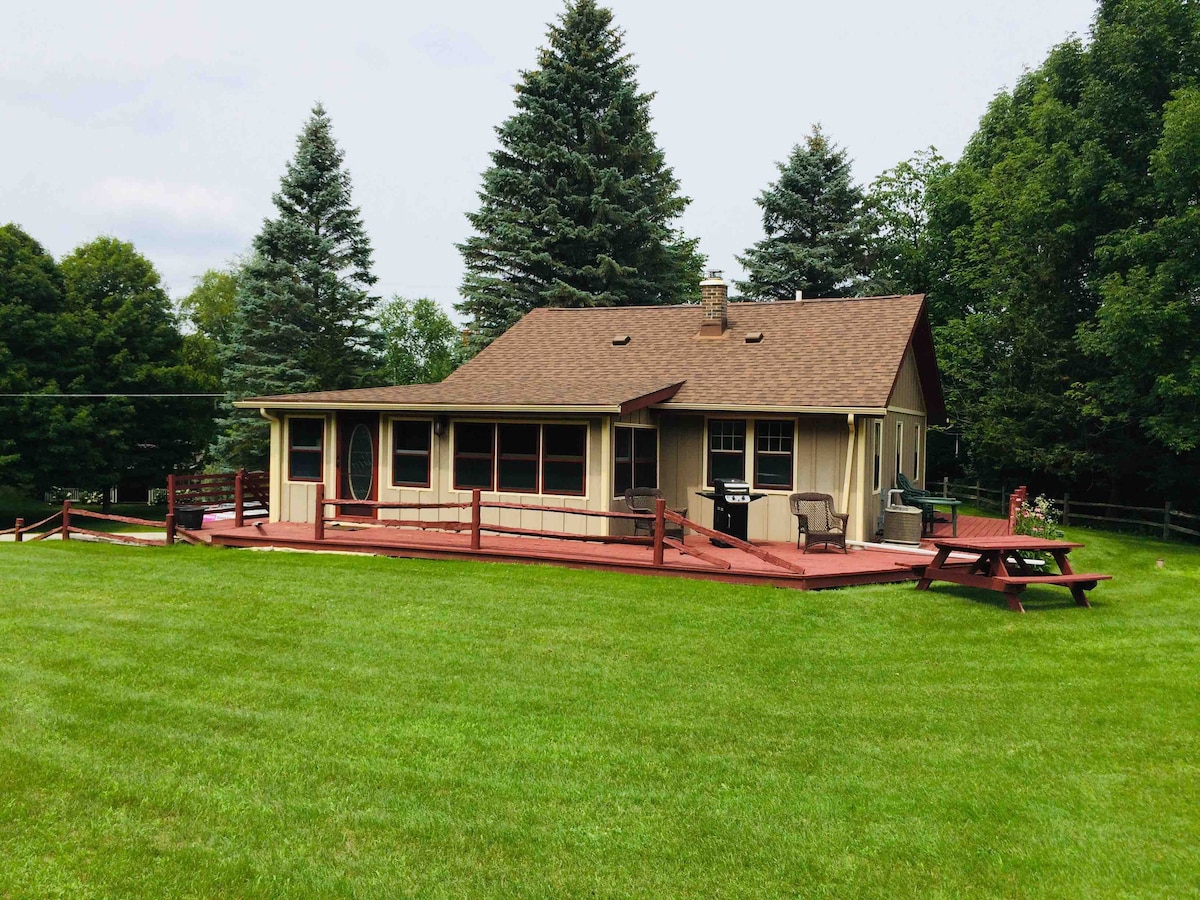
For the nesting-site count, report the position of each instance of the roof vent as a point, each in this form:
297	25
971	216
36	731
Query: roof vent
754	337
620	340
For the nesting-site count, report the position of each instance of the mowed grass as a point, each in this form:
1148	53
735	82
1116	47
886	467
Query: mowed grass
197	722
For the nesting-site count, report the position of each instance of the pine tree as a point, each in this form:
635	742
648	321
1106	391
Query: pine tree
813	218
578	204
304	313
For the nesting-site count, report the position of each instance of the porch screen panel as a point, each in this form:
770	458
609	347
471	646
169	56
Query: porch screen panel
773	444
517	454
726	449
474	455
410	453
306	438
635	459
564	459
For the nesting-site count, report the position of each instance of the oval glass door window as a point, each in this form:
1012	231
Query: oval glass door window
360	463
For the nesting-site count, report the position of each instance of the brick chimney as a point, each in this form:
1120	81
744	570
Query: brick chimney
714	303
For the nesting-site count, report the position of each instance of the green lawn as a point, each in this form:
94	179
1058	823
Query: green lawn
197	722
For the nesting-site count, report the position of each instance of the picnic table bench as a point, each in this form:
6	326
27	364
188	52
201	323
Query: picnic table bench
998	564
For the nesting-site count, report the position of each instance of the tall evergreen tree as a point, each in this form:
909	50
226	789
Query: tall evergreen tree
304	313
578	204
815	232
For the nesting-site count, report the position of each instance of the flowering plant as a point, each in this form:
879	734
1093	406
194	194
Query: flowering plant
1038	519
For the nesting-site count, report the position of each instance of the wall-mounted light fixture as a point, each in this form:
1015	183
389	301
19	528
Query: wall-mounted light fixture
439	425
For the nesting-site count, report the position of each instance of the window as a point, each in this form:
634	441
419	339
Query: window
517	458
520	458
916	452
635	459
474	455
877	469
899	447
410	453
773	455
564	461
726	449
306	439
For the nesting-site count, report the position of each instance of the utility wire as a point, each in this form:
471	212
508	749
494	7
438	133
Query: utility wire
108	396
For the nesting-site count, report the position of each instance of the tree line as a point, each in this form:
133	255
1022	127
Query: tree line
1058	255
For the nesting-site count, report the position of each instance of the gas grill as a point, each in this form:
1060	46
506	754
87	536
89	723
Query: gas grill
731	507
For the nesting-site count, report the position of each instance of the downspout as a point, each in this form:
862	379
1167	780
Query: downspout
274	472
849	462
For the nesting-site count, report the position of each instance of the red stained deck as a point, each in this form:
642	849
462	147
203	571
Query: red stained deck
822	569
968	527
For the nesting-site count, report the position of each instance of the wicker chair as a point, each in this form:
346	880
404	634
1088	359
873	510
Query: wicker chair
641	500
818	523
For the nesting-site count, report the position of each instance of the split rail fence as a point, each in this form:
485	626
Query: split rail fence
67	517
235	490
1165	519
657	540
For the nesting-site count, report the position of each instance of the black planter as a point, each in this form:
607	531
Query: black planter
189	517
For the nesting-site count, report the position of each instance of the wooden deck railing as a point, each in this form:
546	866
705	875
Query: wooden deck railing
657	540
68	515
233	488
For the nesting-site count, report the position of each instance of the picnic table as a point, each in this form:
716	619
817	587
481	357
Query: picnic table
999	564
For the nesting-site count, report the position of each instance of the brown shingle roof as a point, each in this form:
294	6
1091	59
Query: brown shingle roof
814	353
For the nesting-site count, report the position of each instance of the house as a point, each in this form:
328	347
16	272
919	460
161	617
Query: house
572	406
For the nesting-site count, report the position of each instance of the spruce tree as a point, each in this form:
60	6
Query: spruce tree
813	218
578	204
304	314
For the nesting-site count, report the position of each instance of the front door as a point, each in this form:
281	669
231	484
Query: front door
358	461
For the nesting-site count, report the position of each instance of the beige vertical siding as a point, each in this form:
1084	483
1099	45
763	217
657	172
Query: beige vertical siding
907	393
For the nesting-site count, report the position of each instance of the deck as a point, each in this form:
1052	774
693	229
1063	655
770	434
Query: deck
870	564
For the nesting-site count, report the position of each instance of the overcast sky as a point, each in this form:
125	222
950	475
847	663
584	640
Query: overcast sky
170	126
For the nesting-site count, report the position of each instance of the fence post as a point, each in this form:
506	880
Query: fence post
239	498
1002	503
978	493
170	529
319	518
945	485
1166	520
66	520
475	519
1066	508
170	495
17	533
660	509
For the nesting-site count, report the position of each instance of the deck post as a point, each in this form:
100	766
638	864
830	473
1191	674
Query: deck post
319	518
66	520
660	508
475	519
1066	508
1167	520
20	523
170	529
171	495
239	499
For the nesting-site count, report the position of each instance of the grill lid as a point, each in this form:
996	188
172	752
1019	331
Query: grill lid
730	486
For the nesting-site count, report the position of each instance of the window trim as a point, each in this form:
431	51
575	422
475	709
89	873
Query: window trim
877	470
536	457
319	451
791	454
455	453
917	452
428	454
708	451
899	447
633	455
540	424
